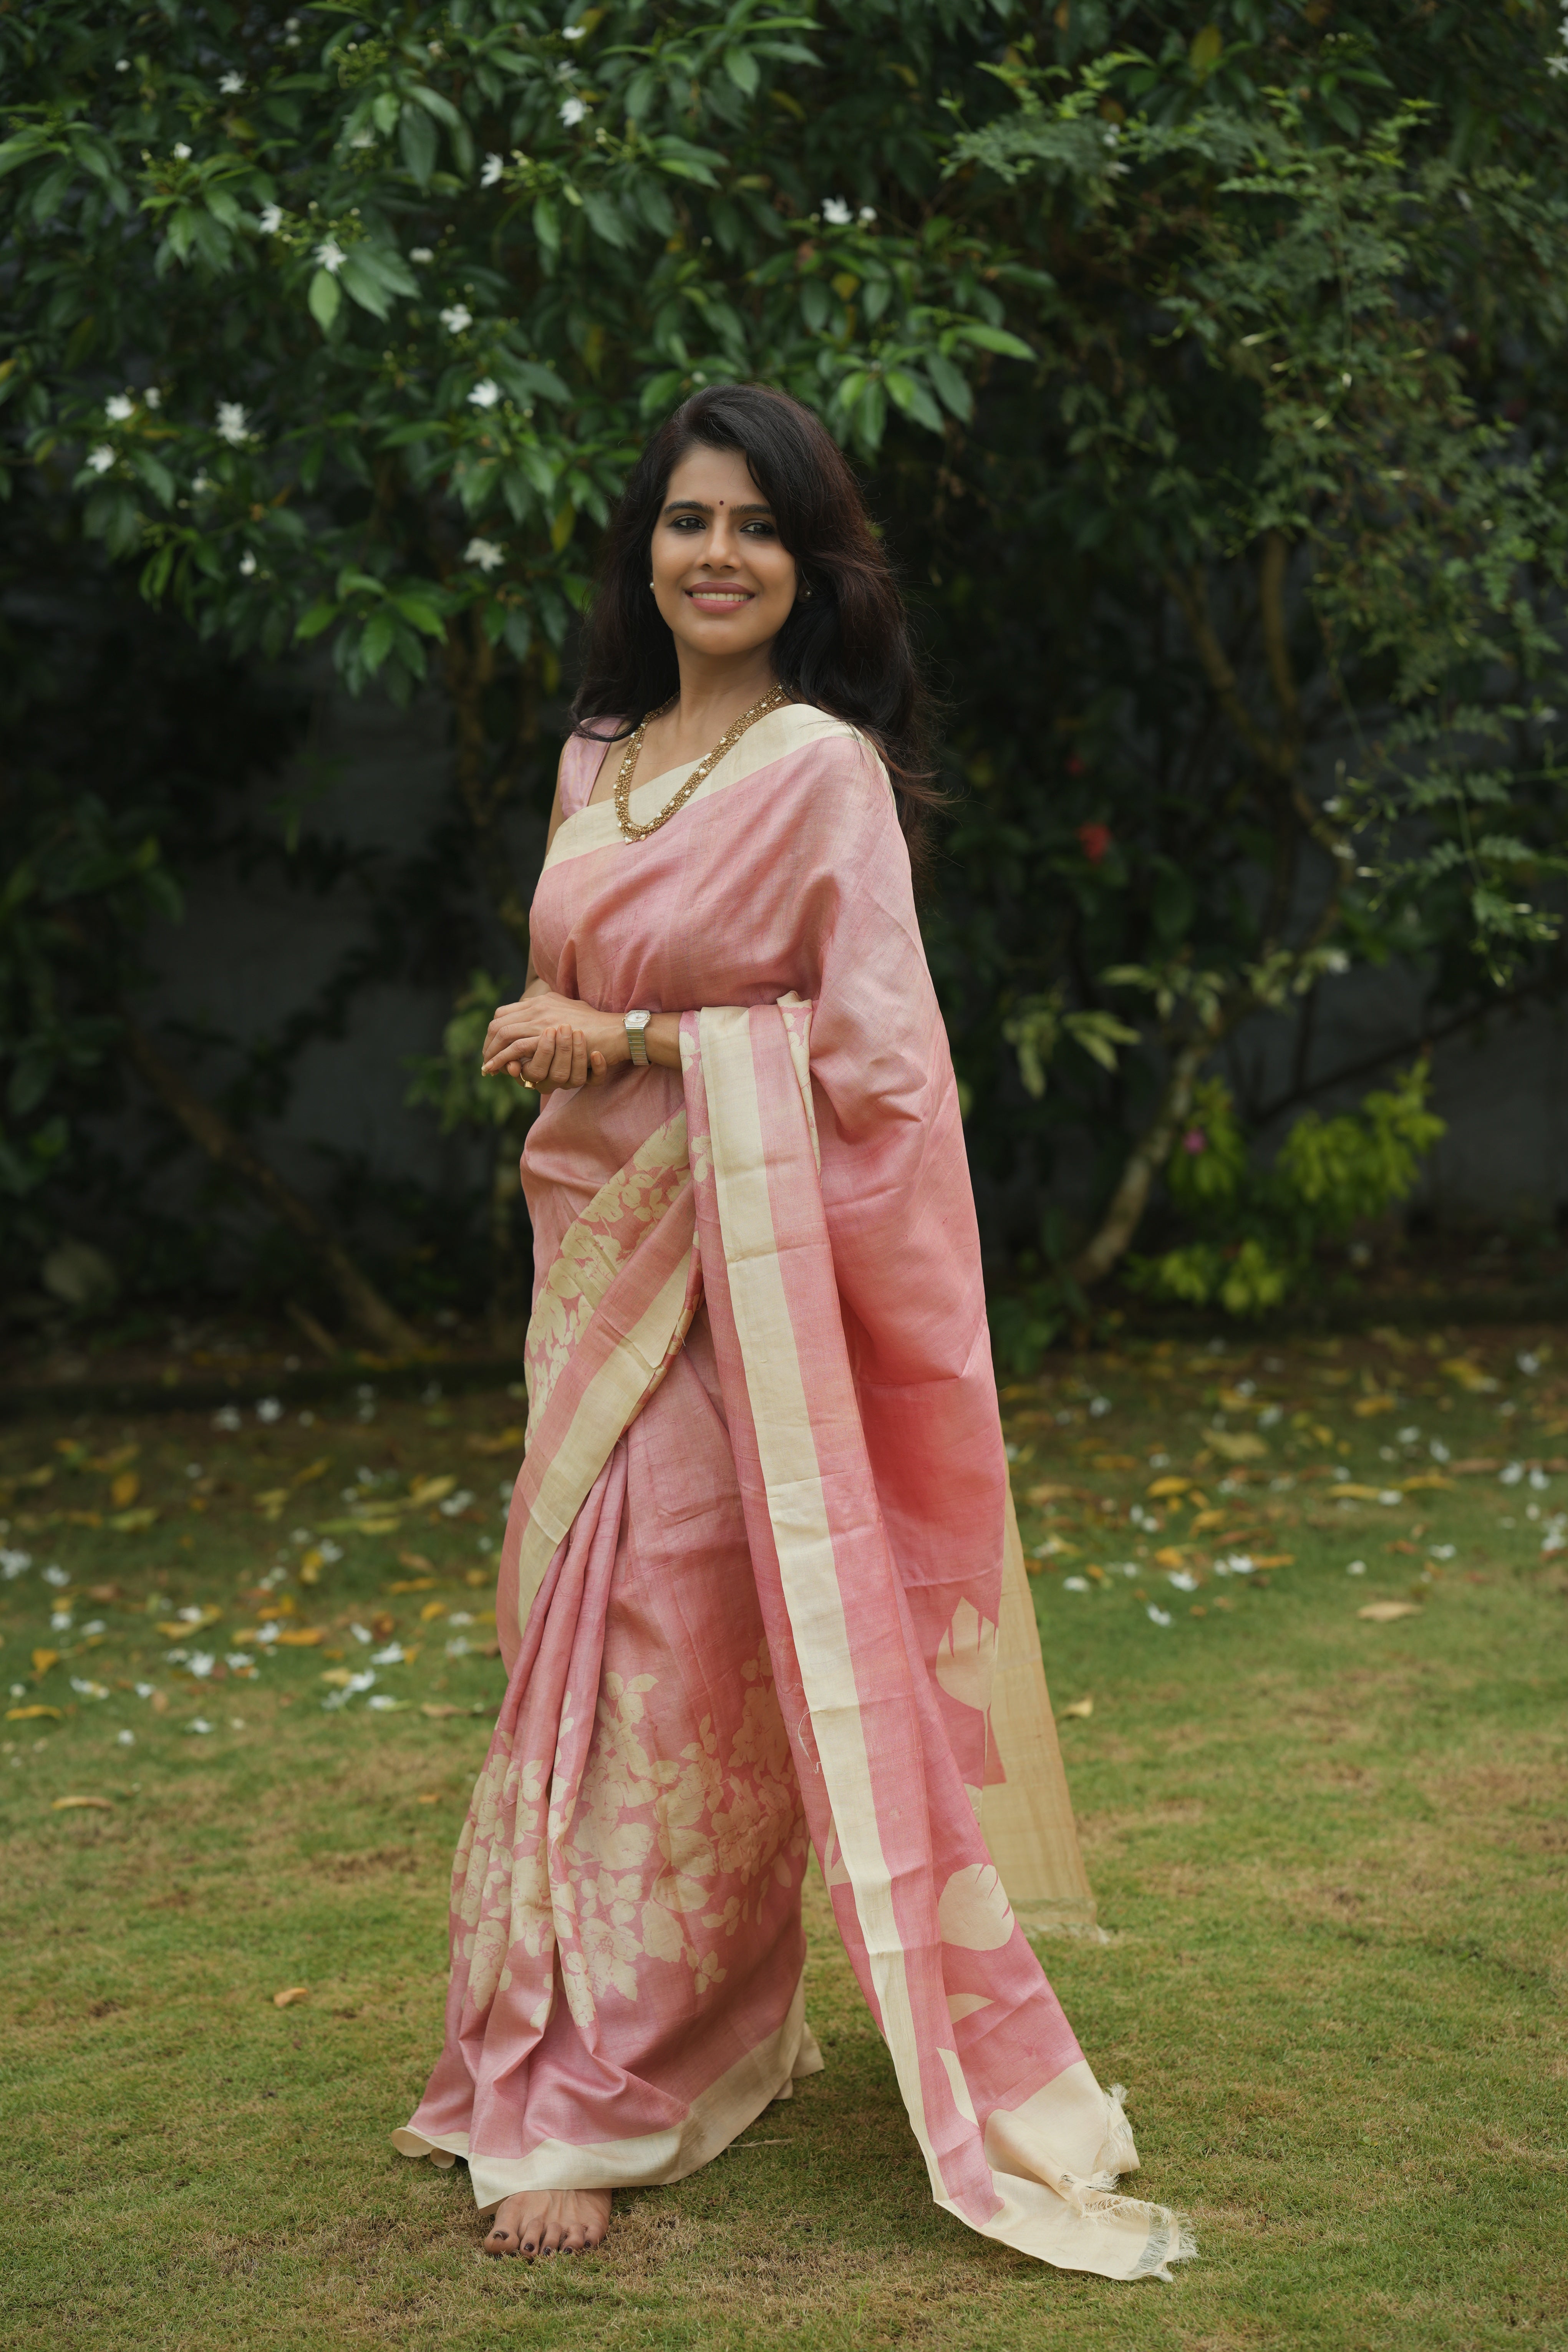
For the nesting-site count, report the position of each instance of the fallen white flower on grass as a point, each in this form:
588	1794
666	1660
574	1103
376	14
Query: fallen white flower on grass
455	1503
84	1689
1511	1474
125	1738
55	1574
351	1689
143	1690
391	1657
1159	1616
384	1703
60	1621
362	1633
457	1649
199	1725
270	1410
1239	1563
1356	1568
14	1563
1075	1584
1183	1581
202	1663
240	1662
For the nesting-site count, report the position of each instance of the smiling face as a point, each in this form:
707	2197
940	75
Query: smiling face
722	577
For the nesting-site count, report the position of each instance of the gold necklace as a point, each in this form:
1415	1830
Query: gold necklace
630	829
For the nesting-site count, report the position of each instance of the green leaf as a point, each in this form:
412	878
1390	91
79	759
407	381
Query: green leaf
952	384
320	616
742	71
376	640
1206	49
913	397
324	298
420	613
546	225
417	140
363	282
996	339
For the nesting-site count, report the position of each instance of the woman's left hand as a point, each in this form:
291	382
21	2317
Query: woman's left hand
549	1042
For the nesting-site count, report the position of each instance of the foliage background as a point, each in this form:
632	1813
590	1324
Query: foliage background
1204	366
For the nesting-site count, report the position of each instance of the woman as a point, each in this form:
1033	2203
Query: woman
760	1587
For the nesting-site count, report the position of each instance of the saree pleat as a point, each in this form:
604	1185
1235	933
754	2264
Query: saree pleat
762	1581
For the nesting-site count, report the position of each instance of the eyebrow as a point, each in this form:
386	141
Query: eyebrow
698	506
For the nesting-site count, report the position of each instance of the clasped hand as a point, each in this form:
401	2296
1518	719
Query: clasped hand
549	1042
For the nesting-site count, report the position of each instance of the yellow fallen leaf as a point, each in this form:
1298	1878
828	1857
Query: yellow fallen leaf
1274	1560
133	1523
1469	1375
428	1490
1080	1706
1347	1491
1364	1407
1171	1556
1383	1613
81	1805
339	1676
271	1499
505	1441
432	1609
1429	1480
32	1714
377	1526
1114	1461
1162	1486
1204	1521
42	1661
438	1713
1049	1492
1236	1444
125	1490
313	1470
309	1559
300	1637
416	1560
289	1995
431	1797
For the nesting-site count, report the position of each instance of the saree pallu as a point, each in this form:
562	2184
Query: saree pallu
762	1588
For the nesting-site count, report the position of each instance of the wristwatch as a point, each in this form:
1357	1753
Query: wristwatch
636	1038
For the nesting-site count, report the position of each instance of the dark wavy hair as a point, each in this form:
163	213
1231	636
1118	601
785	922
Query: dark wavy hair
846	648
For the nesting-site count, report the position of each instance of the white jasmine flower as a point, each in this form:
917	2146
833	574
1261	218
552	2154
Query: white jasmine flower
865	216
485	554
200	482
60	1621
202	1663
836	212
330	255
121	65
271	219
1183	1581
485	394
456	1502
126	1738
233	425
365	138
491	171
457	1649
572	112
153	396
391	1657
101	458
421	253
143	1690
1159	1616
54	1574
457	317
118	406
361	1634
231	84
270	1410
14	1563
573	32
1075	1584
182	153
248	565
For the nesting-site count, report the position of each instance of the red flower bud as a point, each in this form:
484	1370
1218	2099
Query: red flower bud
1094	840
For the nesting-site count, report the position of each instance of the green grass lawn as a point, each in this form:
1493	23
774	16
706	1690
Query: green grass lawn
1330	1853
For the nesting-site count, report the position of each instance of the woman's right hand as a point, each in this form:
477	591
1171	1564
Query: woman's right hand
548	1060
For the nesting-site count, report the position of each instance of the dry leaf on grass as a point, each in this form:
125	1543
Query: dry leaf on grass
1162	1486
430	1796
32	1714
125	1490
289	1995
504	1441
416	1559
432	1609
300	1637
81	1805
1080	1706
1236	1444
1383	1613
42	1661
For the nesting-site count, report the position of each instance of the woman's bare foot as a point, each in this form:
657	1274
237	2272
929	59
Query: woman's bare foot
550	2222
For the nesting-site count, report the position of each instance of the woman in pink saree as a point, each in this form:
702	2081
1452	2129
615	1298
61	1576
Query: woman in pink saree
762	1595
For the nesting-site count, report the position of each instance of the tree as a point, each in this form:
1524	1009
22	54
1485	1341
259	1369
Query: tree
343	325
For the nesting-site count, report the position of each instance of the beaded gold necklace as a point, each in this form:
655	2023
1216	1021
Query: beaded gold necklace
630	829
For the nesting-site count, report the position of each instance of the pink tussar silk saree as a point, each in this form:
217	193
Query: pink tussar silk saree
761	1591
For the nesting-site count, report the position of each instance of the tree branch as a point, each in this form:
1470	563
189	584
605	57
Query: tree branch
1144	1161
227	1149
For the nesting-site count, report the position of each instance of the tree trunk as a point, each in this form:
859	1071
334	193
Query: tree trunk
227	1148
1144	1161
